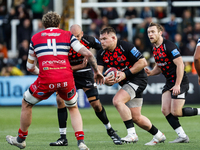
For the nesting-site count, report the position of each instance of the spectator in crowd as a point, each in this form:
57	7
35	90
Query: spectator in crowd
104	22
22	14
187	33
38	7
10	69
23	54
178	41
3	8
24	32
187	20
139	44
6	26
89	13
160	12
146	13
3	51
189	48
93	30
196	32
110	13
171	27
131	13
40	27
3	54
121	31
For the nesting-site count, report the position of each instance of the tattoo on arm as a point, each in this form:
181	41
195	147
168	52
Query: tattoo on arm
92	61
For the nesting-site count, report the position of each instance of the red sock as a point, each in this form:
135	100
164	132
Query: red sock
79	135
22	134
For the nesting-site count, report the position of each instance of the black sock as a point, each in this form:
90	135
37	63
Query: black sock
188	111
173	121
20	140
102	116
62	119
153	130
129	124
79	141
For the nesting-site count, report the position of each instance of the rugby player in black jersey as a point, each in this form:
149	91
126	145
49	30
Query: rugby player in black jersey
133	80
197	59
169	62
84	79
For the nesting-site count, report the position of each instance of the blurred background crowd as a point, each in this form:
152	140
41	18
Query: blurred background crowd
180	27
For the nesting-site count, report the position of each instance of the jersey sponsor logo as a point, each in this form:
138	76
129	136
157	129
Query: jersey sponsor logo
175	52
50	34
46	68
135	52
97	41
50	62
162	64
40	93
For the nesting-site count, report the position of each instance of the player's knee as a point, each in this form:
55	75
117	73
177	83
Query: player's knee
60	102
96	106
165	111
136	118
176	113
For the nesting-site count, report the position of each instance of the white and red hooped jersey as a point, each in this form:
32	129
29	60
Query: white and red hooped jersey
51	47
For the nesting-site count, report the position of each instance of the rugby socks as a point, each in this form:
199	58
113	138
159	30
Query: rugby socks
173	121
21	136
130	126
189	111
108	125
180	132
153	130
103	117
79	135
62	119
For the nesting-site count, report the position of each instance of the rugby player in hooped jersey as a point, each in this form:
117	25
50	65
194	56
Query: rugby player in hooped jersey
83	77
133	80
50	48
169	62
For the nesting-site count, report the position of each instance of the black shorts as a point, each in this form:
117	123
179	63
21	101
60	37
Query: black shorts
141	83
84	79
184	89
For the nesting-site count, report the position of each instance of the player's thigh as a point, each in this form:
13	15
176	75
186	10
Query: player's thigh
121	96
166	103
176	106
60	101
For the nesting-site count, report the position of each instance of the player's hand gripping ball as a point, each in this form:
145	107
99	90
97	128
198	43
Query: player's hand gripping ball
111	71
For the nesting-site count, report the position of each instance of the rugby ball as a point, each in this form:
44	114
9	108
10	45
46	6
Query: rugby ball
111	71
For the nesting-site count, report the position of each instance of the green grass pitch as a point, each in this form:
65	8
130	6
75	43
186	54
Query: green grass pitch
44	129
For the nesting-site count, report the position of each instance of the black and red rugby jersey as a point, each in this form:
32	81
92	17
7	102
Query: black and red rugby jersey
124	56
164	55
89	42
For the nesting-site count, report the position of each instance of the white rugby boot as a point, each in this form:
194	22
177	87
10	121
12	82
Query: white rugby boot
13	141
130	138
155	140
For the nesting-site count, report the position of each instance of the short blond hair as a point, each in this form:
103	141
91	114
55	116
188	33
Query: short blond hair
51	19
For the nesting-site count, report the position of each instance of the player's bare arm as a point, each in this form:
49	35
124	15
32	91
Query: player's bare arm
197	61
179	75
155	71
31	64
138	66
80	66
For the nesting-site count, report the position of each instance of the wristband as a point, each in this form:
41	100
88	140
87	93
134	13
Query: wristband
127	73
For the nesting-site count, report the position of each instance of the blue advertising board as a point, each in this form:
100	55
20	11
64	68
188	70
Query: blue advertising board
12	89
